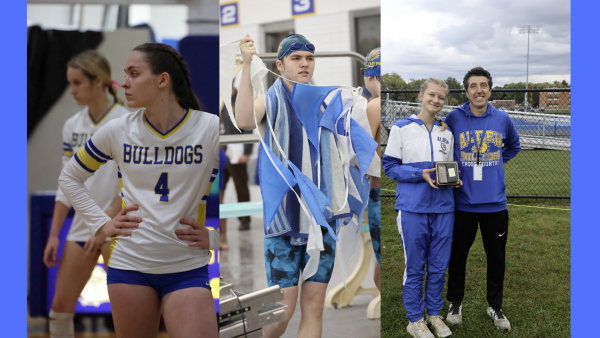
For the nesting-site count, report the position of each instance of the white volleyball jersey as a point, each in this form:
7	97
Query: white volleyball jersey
167	175
103	186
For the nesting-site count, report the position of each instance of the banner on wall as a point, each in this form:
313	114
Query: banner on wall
303	8
229	14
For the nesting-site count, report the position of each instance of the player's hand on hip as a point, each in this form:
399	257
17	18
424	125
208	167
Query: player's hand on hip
93	245
428	179
120	224
247	48
197	234
51	251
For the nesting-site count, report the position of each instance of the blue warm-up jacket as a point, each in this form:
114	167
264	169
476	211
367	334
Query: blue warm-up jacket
411	148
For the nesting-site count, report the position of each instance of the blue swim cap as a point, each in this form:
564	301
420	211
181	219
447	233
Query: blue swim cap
372	66
299	42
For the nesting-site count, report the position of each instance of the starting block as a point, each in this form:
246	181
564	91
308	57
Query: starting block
244	315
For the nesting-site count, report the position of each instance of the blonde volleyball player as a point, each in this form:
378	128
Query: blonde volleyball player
167	156
89	79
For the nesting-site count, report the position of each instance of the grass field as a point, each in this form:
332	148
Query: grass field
531	172
537	280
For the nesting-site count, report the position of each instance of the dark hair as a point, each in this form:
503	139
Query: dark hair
164	58
477	71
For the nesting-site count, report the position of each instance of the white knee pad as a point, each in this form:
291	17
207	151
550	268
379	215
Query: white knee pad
61	325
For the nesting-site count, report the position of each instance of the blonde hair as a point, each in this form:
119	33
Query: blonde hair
94	65
442	84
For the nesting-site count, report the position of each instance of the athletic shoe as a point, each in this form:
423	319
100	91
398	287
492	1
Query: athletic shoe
440	328
454	314
419	329
499	318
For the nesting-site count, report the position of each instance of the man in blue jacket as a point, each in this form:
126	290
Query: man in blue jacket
484	139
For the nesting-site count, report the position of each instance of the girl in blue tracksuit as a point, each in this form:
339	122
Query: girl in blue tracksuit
425	211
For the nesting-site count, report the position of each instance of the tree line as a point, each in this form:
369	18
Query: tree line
395	81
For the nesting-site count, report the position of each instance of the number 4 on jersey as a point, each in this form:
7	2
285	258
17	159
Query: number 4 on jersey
162	187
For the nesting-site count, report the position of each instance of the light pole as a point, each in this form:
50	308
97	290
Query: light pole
529	29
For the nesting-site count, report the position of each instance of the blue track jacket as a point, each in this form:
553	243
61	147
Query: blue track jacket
411	148
499	142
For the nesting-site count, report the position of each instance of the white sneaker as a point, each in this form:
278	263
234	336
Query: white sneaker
440	328
419	329
499	318
454	314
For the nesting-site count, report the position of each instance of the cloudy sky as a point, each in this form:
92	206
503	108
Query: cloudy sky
443	38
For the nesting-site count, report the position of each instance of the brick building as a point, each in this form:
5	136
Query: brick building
504	104
555	100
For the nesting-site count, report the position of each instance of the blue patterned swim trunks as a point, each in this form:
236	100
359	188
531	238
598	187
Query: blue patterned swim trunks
284	261
374	212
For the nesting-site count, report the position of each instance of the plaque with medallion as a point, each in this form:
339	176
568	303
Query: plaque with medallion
446	173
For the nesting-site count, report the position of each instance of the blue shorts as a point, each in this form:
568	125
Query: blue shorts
82	244
374	212
162	283
284	261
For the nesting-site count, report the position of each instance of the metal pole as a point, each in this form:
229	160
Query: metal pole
529	29
272	57
527	74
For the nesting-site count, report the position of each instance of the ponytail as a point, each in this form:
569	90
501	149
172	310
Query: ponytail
444	125
189	100
113	92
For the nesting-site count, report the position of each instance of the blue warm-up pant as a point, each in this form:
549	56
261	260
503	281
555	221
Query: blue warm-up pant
427	241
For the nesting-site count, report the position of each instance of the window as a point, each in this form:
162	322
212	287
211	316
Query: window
174	29
367	36
275	32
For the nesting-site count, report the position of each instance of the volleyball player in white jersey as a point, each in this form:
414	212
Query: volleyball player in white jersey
167	156
89	79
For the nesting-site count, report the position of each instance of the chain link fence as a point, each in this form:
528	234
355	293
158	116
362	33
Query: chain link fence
540	173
